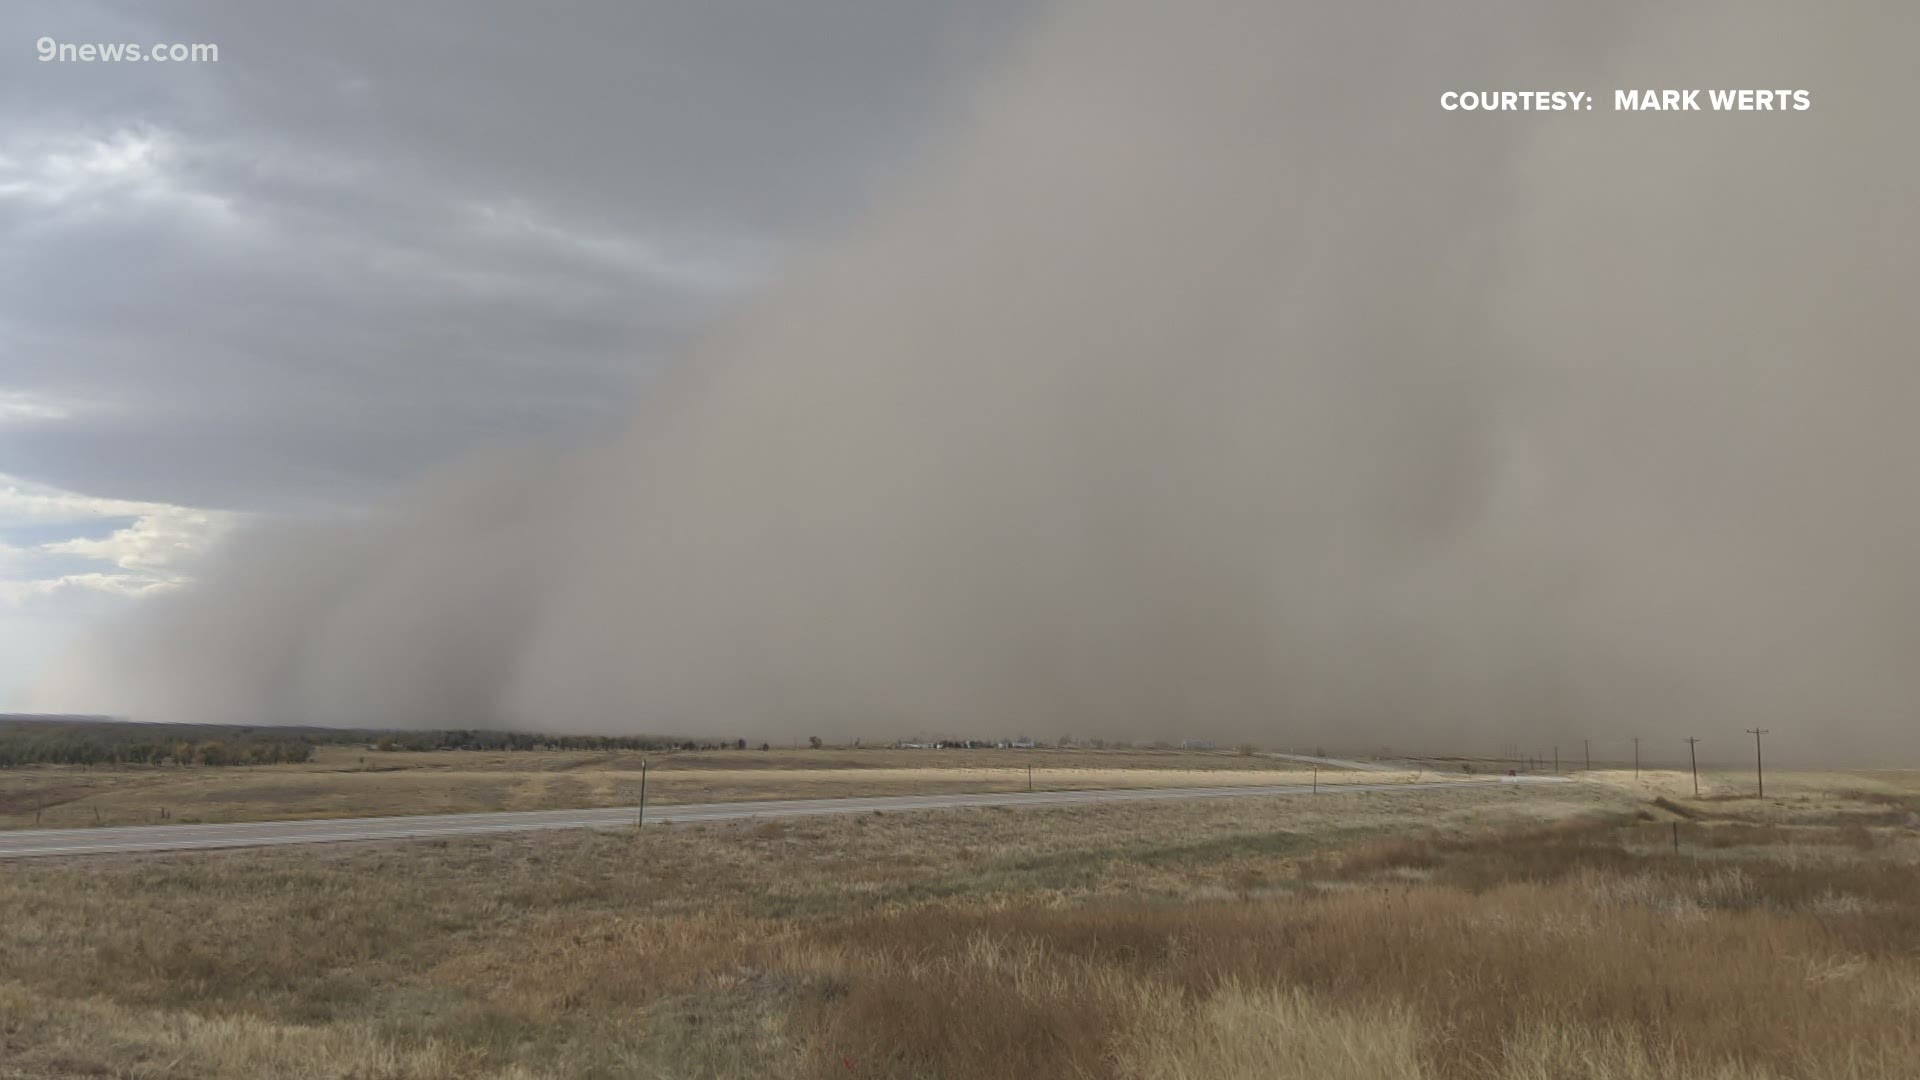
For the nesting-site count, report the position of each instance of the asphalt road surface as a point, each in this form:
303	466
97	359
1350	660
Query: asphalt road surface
104	840
1341	763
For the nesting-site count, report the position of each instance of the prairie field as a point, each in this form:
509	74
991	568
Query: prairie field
1593	931
354	782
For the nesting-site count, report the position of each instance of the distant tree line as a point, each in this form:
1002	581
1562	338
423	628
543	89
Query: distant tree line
464	739
46	740
67	742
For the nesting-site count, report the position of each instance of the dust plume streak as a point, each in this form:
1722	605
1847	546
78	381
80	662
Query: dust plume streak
1215	381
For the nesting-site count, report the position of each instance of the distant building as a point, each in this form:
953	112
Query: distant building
1197	744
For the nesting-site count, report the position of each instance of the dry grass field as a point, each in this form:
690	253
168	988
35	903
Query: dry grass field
1522	933
352	782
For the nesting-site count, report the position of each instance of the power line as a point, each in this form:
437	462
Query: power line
1759	766
640	815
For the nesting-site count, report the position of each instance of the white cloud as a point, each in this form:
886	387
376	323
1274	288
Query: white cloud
21	593
156	543
88	172
24	502
149	555
23	408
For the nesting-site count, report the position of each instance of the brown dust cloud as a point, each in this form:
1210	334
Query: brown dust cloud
1210	380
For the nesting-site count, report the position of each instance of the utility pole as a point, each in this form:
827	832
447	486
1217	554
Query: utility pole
640	817
1693	758
1588	743
1759	768
1556	761
1636	757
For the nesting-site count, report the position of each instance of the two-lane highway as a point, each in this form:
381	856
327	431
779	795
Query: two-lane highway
153	838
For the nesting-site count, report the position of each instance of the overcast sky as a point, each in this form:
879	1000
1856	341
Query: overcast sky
373	236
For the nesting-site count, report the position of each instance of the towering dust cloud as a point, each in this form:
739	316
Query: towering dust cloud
1217	381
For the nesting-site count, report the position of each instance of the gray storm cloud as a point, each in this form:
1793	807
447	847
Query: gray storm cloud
1213	381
